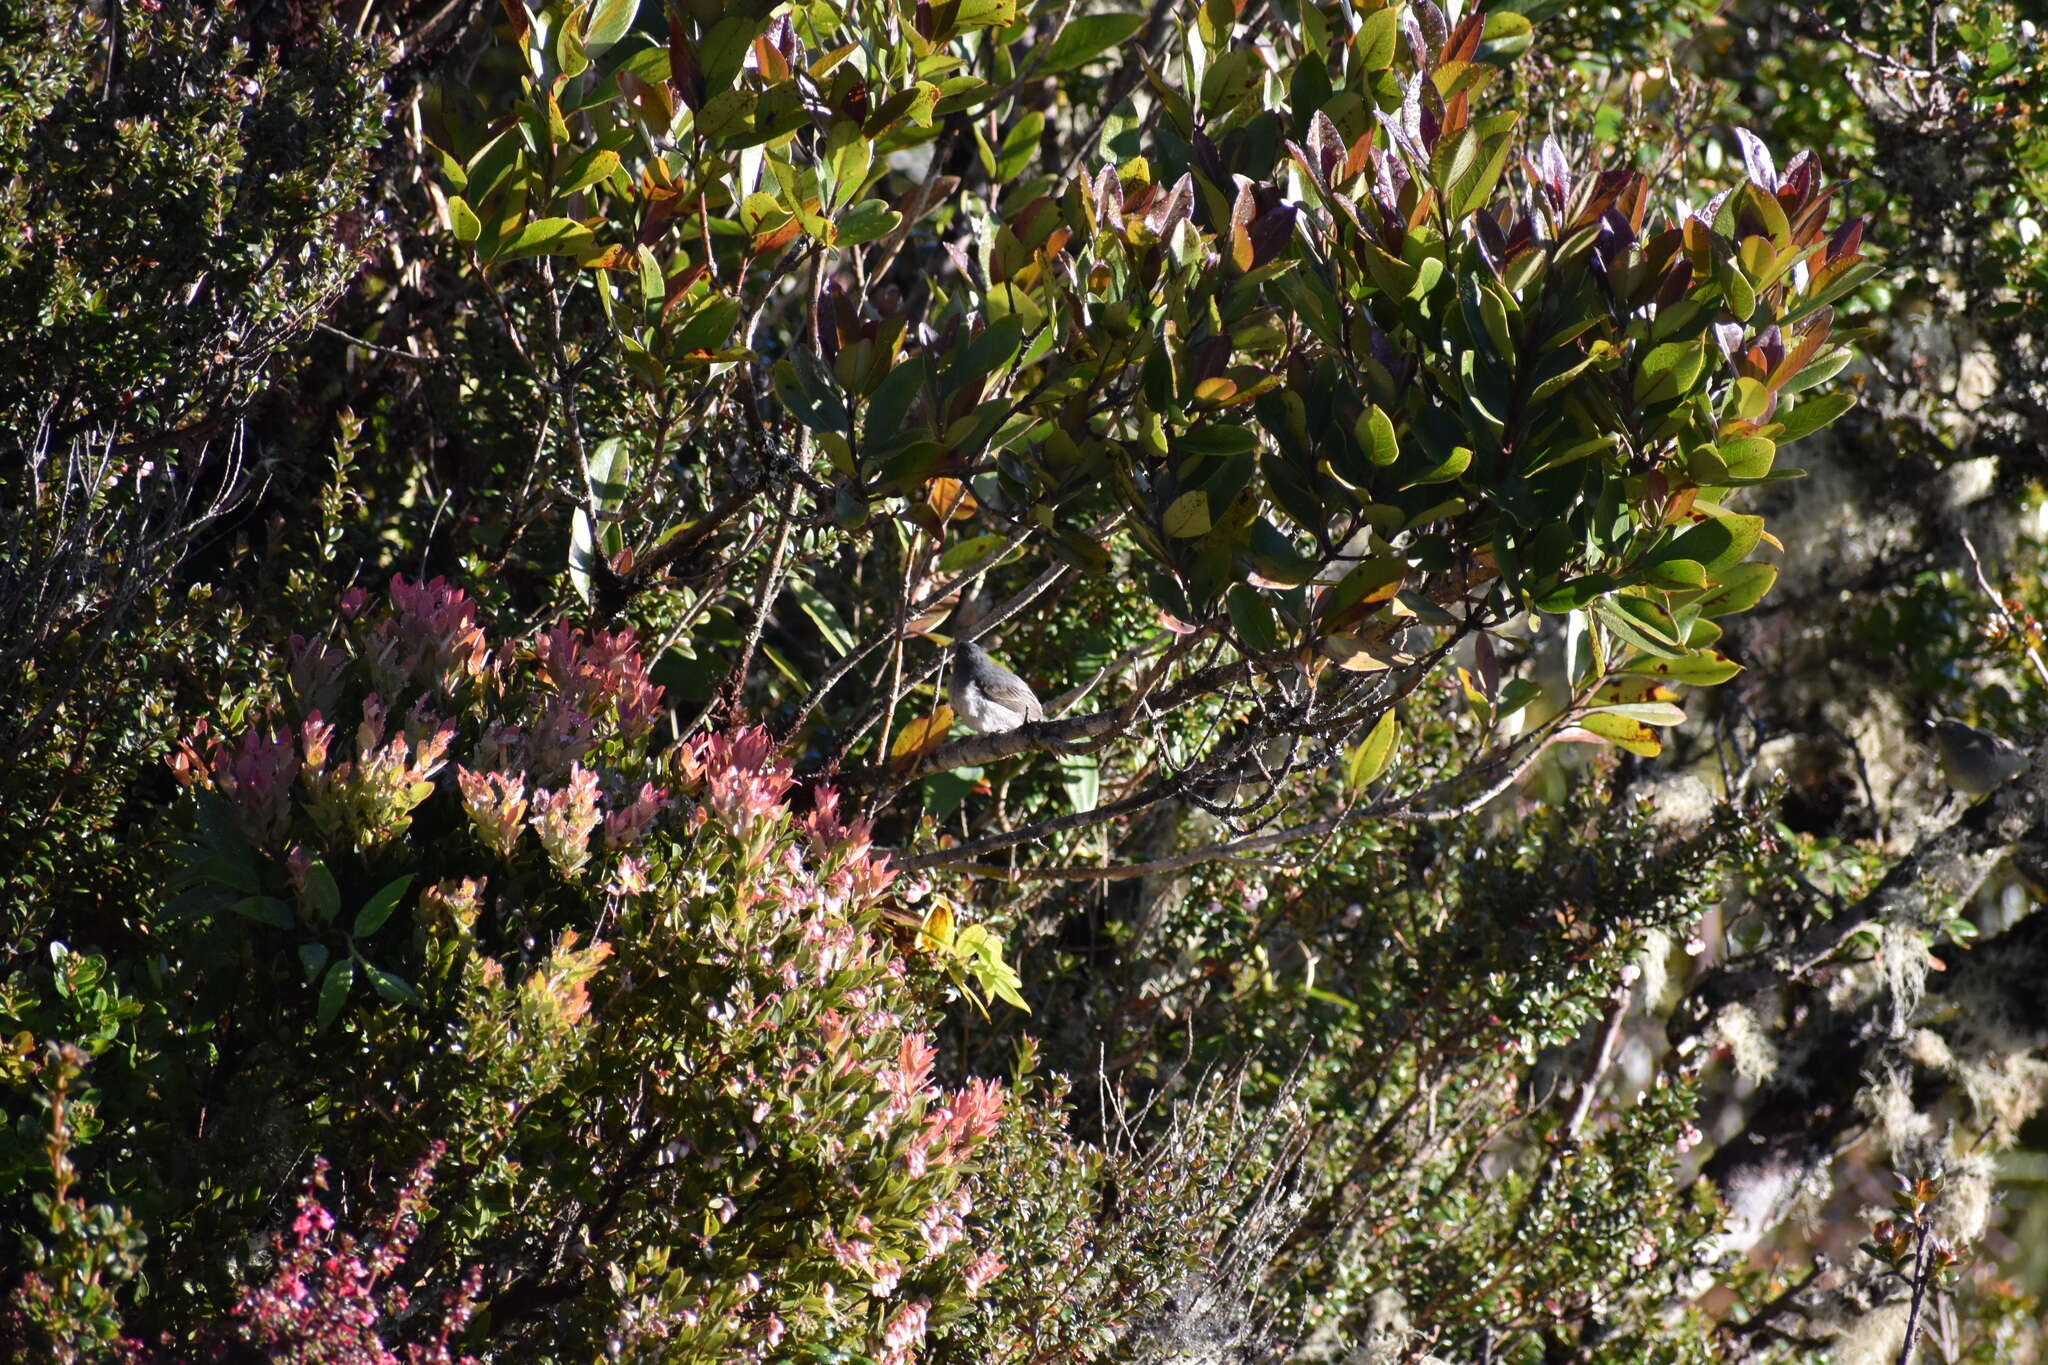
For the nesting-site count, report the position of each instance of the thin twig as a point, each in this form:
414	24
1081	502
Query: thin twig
1596	1063
764	602
1432	806
357	341
896	635
846	665
2012	623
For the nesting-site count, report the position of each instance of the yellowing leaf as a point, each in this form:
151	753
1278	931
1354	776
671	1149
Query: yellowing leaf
1354	655
1188	516
949	499
1704	669
1372	755
1624	733
937	929
922	736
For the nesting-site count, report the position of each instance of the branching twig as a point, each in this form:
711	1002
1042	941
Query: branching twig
2005	614
1434	805
846	665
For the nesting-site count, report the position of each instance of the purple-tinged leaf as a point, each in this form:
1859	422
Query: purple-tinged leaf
1770	343
1711	210
1519	238
1391	177
1728	335
1557	174
1327	144
1845	241
1435	28
1756	159
1493	248
1170	210
1306	159
1408	148
1799	176
1270	233
1109	200
1418	41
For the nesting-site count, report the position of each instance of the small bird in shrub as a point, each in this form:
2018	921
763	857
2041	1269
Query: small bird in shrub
1974	761
988	698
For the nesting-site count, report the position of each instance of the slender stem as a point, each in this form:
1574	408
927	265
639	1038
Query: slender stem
1921	1273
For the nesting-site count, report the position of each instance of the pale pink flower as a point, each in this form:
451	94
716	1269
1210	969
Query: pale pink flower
981	1270
565	820
497	808
256	777
629	824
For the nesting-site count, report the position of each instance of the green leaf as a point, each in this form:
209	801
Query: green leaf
831	626
312	957
1372	755
1447	469
1251	615
1376	436
848	155
1515	694
234	873
608	470
1082	777
583	555
1086	38
265	910
1507	35
1639	622
1811	415
1705	669
1718	542
322	891
463	219
968	553
1648	712
1187	516
1575	593
1742	587
547	237
341	976
1676	573
985	14
378	908
1020	146
1376	38
809	392
586	170
391	988
1669	370
1748	457
610	20
865	222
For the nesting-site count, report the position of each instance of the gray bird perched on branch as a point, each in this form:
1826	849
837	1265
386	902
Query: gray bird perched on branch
988	698
1974	761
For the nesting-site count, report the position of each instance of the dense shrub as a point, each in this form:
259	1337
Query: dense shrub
482	500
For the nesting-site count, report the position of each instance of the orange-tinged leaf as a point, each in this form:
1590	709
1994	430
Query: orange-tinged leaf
949	499
937	927
1354	655
922	736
